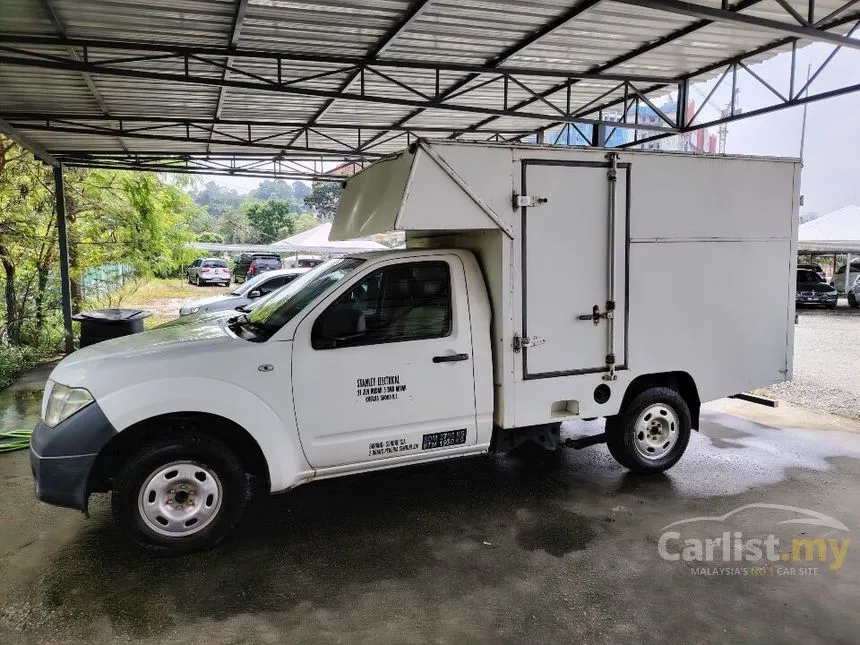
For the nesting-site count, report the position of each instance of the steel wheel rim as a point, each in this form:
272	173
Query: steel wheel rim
656	431
180	499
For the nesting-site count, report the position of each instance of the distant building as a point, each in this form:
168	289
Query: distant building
701	141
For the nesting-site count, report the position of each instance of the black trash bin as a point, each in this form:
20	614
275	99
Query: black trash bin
104	324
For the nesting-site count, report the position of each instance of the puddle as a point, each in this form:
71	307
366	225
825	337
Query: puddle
557	533
19	409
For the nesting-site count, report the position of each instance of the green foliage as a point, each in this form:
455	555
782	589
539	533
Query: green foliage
211	237
217	199
300	191
304	222
120	225
269	218
323	199
272	189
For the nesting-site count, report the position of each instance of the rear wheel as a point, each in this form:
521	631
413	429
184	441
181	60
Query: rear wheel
180	495
651	433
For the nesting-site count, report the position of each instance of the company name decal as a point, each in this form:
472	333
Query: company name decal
379	388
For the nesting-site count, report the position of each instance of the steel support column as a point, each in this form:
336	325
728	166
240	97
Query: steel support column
65	283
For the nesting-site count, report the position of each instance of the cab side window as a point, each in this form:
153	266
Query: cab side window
398	303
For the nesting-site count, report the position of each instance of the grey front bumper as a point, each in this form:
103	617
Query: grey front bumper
61	458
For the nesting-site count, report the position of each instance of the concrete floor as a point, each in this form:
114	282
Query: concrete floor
483	549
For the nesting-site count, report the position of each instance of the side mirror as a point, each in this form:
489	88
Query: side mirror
255	293
340	324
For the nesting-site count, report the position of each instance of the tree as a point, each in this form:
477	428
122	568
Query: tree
323	199
305	221
217	199
210	236
300	191
272	189
270	218
119	223
235	228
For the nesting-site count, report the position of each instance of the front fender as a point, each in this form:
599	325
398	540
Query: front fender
277	437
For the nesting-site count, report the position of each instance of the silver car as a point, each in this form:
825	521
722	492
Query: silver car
208	271
244	293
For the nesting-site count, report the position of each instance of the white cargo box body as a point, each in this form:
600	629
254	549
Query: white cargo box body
702	281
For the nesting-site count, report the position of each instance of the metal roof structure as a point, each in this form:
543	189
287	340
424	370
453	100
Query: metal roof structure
286	87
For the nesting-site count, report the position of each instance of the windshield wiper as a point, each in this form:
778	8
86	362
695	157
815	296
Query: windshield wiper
259	331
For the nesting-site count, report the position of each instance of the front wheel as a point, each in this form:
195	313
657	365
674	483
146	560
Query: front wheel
180	495
651	433
852	300
199	281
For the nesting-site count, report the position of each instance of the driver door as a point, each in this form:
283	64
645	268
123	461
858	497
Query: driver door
384	369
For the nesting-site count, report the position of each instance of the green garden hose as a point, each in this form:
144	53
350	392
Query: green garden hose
14	440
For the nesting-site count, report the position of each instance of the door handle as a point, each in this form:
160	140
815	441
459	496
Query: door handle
450	358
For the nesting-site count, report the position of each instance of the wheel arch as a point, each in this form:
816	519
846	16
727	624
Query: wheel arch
679	381
124	444
275	434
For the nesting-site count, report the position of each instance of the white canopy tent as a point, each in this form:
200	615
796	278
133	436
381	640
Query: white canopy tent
316	238
836	232
312	242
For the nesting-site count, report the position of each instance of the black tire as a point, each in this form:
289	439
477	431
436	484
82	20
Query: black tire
852	300
830	307
199	282
621	431
198	450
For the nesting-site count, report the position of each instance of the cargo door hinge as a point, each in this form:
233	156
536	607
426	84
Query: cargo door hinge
525	342
527	201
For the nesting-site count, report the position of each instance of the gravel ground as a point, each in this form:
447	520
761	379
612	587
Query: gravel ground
826	377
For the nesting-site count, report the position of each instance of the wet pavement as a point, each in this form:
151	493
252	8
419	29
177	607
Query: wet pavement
473	550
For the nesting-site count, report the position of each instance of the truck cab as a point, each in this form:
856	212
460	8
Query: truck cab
530	293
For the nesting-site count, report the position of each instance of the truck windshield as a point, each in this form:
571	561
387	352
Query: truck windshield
293	298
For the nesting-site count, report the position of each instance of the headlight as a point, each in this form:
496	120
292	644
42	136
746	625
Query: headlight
63	402
188	311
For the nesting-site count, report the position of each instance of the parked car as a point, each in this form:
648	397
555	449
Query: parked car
838	279
814	267
812	290
208	271
303	261
250	265
245	293
854	294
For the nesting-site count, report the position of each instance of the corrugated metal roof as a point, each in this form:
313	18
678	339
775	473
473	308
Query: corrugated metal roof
126	62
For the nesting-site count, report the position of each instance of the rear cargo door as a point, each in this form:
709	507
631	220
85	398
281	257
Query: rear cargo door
567	244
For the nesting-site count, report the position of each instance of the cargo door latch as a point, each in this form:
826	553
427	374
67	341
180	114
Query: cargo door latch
596	315
527	201
525	342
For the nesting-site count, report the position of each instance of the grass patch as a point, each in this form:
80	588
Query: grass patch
163	297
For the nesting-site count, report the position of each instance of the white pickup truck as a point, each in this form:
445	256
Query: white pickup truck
538	285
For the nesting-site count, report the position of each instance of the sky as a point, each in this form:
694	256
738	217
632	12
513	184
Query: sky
831	172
